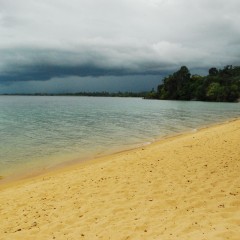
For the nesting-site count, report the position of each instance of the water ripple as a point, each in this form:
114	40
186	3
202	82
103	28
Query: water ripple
36	130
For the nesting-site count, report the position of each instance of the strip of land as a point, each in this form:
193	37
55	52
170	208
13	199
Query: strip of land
183	187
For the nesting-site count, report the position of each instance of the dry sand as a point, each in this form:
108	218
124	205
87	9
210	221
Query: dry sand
183	187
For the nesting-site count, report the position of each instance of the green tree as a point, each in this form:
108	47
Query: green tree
218	85
215	92
213	71
175	86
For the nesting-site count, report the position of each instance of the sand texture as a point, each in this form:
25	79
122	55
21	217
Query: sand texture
183	187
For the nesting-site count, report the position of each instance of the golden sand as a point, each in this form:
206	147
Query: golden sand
183	187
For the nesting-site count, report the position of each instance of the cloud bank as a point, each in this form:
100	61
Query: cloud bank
44	39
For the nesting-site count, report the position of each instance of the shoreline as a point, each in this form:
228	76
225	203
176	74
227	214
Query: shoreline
23	176
182	187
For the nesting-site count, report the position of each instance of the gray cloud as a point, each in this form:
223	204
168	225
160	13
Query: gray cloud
44	39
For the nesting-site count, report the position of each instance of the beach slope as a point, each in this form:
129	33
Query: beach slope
182	187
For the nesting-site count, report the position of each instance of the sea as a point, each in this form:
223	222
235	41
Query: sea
41	132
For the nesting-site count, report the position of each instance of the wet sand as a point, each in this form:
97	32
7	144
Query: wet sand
183	187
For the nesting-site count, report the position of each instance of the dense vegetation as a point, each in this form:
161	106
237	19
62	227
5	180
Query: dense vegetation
221	85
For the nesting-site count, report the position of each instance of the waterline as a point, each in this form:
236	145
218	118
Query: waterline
46	131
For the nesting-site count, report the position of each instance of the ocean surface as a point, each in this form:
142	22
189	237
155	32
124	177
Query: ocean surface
41	132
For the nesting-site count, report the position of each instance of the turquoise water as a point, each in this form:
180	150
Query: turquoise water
45	131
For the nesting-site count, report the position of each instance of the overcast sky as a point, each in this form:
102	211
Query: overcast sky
91	45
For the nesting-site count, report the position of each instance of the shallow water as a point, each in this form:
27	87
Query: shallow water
40	132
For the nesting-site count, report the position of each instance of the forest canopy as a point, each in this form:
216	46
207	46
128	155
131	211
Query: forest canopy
220	85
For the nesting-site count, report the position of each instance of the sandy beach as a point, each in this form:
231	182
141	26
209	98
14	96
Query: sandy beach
182	187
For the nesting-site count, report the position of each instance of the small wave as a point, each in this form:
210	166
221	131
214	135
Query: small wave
145	144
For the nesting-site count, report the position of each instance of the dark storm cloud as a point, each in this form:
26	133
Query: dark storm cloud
41	64
84	84
44	39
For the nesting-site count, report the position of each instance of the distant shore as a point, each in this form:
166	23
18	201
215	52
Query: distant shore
182	187
84	94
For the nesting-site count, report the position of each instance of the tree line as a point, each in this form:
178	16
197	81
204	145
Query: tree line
220	85
86	94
